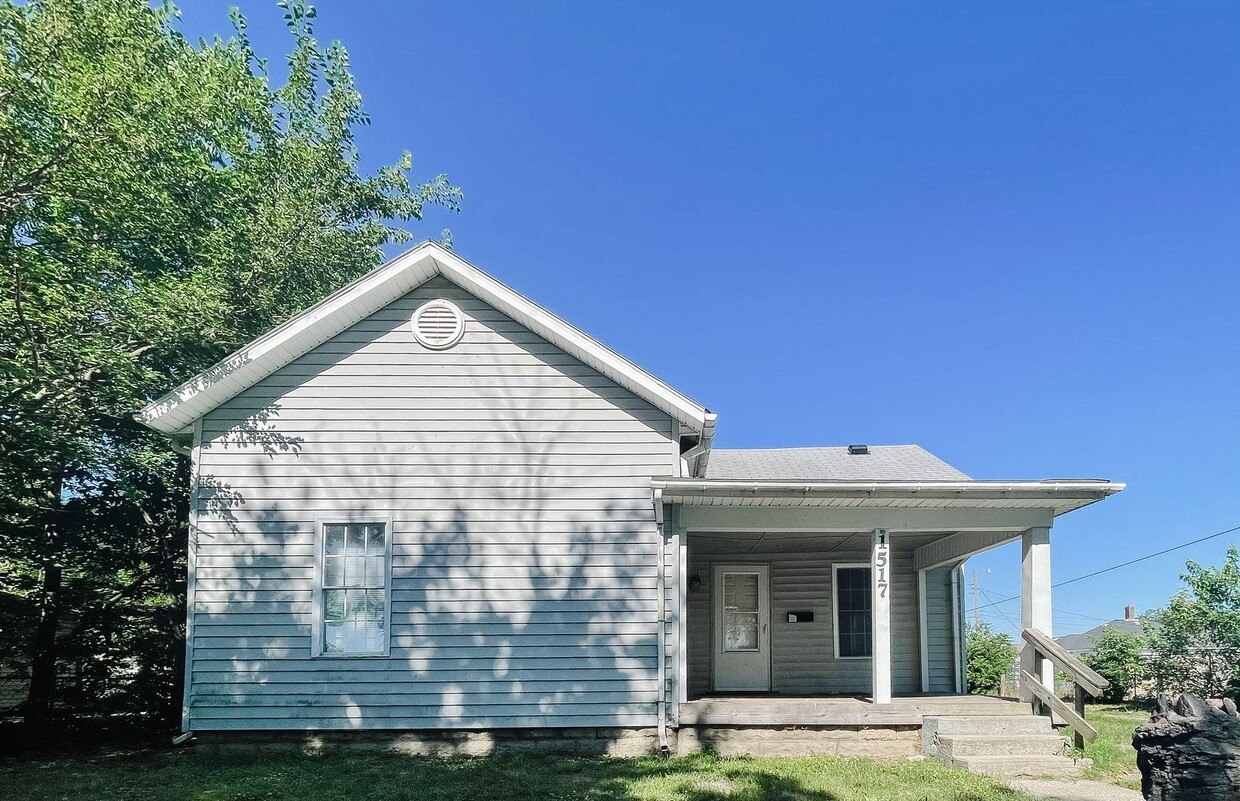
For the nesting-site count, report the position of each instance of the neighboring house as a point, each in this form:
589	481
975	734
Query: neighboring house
1081	644
428	503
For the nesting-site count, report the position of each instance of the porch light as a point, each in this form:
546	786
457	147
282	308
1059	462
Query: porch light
695	583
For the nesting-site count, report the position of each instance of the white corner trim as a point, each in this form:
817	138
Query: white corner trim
191	568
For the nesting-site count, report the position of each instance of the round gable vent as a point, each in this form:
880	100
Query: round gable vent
438	324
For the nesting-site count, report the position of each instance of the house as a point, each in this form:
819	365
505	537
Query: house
1081	644
429	505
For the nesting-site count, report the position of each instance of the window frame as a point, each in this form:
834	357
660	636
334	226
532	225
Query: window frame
320	547
835	606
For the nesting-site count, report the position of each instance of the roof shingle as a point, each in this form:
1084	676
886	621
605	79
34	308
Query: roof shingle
882	463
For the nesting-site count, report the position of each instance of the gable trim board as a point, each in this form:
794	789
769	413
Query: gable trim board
175	412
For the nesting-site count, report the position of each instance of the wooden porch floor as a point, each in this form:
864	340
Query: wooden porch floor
772	710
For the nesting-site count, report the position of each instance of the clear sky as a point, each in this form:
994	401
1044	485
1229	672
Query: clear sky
1005	231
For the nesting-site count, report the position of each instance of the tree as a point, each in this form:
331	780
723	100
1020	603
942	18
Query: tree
989	656
1196	638
1117	656
161	203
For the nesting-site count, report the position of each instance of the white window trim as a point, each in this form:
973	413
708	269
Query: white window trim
320	542
835	607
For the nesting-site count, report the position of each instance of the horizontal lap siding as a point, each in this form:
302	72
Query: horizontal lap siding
524	561
803	654
940	642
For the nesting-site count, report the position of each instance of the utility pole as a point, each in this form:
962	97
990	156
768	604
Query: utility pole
977	609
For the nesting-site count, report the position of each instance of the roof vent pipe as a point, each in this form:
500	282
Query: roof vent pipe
858	450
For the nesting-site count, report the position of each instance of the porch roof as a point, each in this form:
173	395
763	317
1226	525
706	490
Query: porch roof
1057	496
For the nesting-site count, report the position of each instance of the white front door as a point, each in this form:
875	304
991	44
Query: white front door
742	618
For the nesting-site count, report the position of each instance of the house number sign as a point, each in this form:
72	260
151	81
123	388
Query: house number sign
882	551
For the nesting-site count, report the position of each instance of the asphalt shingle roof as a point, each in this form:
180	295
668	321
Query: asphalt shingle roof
1081	643
882	463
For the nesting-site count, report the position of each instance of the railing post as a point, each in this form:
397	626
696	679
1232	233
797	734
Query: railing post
1079	739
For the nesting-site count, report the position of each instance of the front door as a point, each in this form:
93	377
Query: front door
742	627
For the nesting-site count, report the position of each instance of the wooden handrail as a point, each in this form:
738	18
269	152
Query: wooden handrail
1080	673
1074	718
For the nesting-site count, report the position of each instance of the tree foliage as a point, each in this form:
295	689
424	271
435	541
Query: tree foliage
1118	658
989	656
162	202
1196	637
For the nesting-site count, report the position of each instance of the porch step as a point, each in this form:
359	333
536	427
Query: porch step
1025	765
956	746
1012	745
989	724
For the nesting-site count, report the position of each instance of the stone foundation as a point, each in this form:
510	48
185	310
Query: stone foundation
862	741
617	742
1190	751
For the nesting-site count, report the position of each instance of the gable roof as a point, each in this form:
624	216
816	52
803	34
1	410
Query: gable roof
882	463
176	412
1081	643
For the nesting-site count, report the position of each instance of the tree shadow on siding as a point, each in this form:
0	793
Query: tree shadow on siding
509	606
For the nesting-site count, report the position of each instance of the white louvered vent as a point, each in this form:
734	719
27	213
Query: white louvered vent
438	324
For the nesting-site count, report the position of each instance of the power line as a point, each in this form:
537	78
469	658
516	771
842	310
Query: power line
1129	562
1001	612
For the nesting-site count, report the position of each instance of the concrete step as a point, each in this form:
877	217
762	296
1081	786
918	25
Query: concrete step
1014	765
990	724
953	746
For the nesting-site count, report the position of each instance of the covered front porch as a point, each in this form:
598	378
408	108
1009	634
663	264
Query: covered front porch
840	603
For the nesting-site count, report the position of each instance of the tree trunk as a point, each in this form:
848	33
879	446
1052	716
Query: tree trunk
43	667
39	701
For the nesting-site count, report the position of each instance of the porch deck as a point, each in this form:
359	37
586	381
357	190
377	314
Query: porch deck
772	710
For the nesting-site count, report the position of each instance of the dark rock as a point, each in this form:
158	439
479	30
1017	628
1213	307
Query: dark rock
1189	751
1162	704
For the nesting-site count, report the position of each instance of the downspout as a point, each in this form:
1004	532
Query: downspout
661	594
702	448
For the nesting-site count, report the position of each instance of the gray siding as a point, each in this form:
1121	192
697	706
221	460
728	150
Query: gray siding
524	561
803	654
940	644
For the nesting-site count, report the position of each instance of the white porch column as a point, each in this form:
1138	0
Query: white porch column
880	595
1035	600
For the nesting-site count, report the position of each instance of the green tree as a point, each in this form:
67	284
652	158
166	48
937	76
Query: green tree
989	656
1117	656
161	203
1196	638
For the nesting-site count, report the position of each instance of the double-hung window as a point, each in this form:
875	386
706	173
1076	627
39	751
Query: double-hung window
352	609
853	612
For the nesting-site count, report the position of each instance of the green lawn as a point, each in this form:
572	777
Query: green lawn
1115	760
200	776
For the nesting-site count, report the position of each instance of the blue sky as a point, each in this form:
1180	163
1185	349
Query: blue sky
1005	231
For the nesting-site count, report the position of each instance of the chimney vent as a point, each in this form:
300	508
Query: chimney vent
858	450
1130	612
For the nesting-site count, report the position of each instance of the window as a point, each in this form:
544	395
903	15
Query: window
352	610
852	612
740	611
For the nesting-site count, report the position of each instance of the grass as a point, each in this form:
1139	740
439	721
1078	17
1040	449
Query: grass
188	775
1115	760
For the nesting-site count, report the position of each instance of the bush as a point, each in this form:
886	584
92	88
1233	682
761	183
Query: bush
990	656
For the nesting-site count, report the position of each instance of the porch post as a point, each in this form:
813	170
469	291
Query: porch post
880	595
1035	602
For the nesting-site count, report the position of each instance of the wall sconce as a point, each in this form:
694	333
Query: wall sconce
695	583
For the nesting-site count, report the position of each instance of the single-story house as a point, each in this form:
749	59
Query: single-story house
427	504
1082	644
